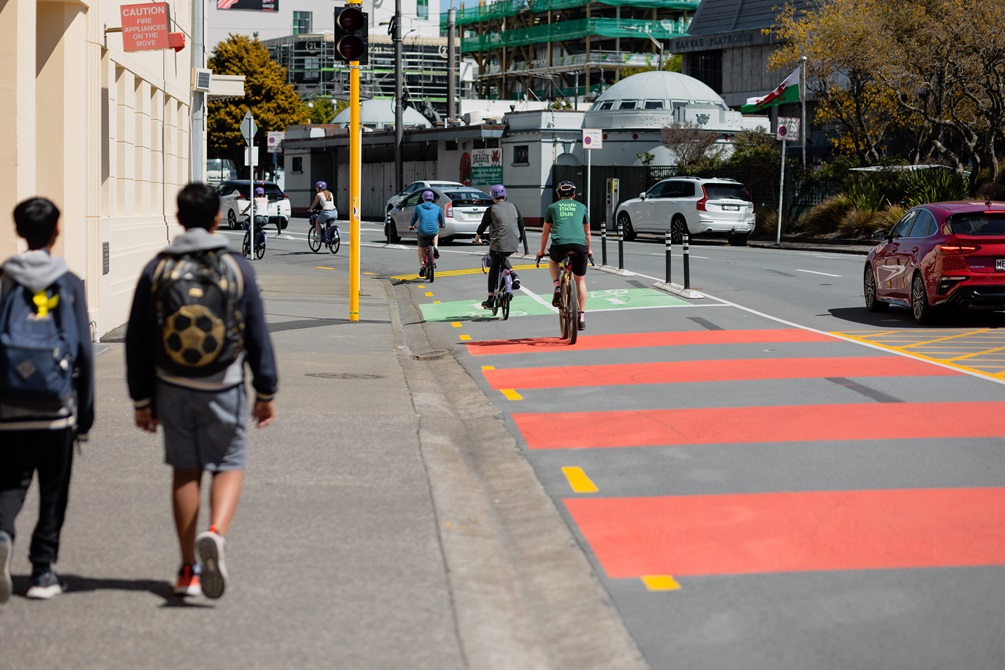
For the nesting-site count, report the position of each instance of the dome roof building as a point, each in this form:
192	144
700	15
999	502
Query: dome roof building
378	114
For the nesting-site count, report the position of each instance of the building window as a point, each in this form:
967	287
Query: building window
422	8
297	164
521	155
302	22
654	104
707	66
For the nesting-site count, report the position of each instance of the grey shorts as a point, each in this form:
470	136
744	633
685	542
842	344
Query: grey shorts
206	430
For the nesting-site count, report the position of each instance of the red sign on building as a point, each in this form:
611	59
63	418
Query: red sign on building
145	27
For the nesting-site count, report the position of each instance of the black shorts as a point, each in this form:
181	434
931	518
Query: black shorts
557	252
424	240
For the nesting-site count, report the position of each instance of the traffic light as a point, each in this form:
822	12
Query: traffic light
351	34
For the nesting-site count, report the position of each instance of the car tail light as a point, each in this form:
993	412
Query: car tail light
448	210
700	205
954	249
753	207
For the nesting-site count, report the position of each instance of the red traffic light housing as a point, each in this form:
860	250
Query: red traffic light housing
351	36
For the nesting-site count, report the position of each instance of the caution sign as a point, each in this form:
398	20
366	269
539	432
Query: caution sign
145	27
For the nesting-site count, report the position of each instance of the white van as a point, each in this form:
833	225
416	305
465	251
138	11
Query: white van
220	169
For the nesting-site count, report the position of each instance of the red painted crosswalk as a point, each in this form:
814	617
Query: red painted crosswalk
798	531
739	425
637	340
667	372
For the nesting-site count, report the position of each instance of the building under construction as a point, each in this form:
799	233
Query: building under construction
571	49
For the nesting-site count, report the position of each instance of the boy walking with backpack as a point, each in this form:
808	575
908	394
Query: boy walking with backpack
46	390
197	319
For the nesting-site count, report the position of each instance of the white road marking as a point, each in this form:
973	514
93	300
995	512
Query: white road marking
814	272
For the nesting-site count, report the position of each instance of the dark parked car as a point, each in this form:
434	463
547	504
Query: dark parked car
940	256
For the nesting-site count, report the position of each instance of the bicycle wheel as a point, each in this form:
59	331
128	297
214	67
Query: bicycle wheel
313	240
246	244
563	311
430	270
336	242
506	297
572	312
259	251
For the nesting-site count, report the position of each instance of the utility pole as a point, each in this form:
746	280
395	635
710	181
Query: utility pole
197	136
399	113
451	66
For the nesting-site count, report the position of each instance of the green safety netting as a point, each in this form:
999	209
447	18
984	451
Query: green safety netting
505	8
572	30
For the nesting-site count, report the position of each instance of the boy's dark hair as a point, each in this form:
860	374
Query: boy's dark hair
198	205
35	219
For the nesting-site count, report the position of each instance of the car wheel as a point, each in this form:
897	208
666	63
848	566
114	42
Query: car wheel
869	291
232	219
737	240
924	314
285	222
392	232
678	226
627	230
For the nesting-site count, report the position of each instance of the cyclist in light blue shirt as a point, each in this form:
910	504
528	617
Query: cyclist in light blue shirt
430	219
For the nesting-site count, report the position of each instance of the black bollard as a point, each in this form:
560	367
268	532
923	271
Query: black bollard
621	246
687	263
603	242
669	245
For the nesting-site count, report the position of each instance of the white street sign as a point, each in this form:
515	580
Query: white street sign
275	139
593	138
788	129
248	127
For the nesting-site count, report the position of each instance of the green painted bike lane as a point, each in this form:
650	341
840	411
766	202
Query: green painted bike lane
524	305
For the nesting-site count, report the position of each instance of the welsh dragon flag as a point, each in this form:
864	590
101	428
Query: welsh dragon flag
787	91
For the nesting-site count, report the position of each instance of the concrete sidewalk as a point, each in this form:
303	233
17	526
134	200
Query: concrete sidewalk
388	521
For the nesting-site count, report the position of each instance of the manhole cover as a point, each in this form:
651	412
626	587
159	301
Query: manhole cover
342	375
429	356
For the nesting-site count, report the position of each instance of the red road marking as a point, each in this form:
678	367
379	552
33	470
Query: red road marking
799	423
712	371
794	532
633	340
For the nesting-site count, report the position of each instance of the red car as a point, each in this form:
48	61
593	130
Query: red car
940	256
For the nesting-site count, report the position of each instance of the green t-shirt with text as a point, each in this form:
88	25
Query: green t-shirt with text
567	218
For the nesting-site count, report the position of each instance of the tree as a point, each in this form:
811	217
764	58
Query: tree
273	102
321	111
695	148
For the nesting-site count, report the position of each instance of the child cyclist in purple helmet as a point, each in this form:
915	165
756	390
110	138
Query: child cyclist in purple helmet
505	225
429	218
323	207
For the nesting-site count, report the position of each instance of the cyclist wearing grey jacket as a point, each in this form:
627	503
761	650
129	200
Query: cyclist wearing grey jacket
505	225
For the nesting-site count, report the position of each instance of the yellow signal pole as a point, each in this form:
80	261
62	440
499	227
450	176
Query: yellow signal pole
355	167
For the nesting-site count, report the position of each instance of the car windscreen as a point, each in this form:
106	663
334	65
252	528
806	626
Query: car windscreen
978	223
472	198
726	192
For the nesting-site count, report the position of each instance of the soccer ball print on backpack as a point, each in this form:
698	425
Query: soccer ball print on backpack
197	309
38	345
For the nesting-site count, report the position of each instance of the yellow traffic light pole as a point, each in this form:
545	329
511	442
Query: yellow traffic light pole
355	167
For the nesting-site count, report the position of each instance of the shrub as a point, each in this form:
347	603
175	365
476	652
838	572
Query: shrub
933	185
824	219
866	194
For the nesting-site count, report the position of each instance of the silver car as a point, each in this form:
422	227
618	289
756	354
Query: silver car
700	206
235	204
418	186
462	207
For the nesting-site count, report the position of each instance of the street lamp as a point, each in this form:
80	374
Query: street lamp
659	45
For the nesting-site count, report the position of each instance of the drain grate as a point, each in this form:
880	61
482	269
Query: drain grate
429	355
343	375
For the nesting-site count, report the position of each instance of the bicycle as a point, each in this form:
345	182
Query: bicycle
503	294
261	238
429	263
330	237
568	308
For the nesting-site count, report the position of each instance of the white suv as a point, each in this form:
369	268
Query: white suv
700	206
235	203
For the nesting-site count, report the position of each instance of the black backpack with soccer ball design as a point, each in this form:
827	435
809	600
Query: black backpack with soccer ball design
197	308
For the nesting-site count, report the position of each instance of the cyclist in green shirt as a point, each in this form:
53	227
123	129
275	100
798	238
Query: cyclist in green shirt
567	221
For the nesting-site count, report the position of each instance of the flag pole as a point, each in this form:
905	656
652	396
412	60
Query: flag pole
802	99
781	187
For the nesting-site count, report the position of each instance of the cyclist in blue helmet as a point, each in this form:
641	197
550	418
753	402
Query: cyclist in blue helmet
429	218
505	225
322	209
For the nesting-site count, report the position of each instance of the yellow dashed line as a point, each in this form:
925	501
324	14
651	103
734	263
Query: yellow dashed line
429	294
578	481
488	367
511	394
464	337
456	324
660	583
467	271
322	267
436	302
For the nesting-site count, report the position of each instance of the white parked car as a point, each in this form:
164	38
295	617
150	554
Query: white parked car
463	208
418	186
236	205
700	206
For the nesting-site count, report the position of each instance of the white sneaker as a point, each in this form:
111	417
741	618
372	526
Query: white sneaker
213	580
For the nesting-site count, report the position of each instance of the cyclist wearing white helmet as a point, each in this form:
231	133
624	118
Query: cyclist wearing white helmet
567	221
262	211
505	225
322	209
429	218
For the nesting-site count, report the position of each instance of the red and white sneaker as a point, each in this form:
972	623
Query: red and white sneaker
188	581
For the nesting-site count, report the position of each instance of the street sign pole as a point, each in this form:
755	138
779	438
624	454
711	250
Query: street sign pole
248	128
788	129
355	167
